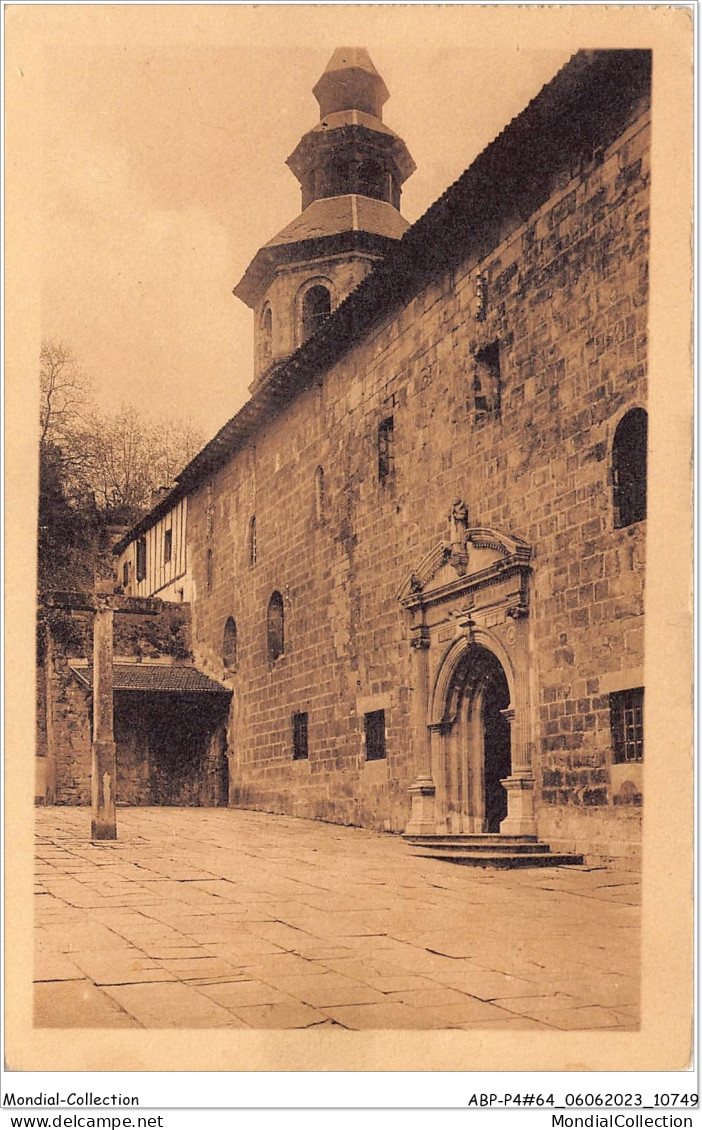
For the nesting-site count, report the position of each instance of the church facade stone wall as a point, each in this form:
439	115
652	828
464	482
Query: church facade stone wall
501	384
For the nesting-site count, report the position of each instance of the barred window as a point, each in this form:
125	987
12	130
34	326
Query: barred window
375	735
300	746
253	545
626	719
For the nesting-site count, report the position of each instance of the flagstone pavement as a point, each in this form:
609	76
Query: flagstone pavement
224	918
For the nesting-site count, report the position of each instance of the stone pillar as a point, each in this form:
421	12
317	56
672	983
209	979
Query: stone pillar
422	790
520	820
104	761
50	795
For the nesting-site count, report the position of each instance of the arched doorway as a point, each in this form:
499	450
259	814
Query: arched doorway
497	756
468	600
475	748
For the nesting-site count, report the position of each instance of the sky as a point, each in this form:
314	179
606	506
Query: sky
163	133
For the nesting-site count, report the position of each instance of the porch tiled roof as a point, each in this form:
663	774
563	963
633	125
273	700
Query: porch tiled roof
155	678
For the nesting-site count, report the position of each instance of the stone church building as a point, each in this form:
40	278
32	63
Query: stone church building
416	556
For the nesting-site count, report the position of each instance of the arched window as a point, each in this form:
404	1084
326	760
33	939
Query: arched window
229	645
336	178
266	338
629	468
372	181
275	624
319	494
253	548
316	306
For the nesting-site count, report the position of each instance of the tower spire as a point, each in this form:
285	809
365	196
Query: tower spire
351	82
351	150
351	168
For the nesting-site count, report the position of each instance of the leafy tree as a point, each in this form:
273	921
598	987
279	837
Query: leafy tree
69	528
96	469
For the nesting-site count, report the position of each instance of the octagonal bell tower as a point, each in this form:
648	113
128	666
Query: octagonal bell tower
351	168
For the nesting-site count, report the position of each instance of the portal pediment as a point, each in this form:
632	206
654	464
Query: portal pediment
474	558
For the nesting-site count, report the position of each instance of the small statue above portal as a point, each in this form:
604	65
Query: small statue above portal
458	519
458	523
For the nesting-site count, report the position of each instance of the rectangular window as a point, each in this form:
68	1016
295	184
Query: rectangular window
486	380
375	735
300	747
167	546
626	719
386	458
125	574
141	559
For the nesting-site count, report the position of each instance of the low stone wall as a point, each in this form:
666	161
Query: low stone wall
603	834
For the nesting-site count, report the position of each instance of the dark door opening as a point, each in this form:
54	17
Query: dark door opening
171	749
498	754
221	769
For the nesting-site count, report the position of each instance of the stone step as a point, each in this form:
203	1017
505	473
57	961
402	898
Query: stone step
477	848
479	843
469	838
502	859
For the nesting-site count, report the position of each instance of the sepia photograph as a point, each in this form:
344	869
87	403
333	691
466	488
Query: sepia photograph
348	665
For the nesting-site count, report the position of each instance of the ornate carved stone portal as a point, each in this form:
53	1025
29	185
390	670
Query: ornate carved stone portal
468	602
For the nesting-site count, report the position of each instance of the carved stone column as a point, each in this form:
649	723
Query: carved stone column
422	790
104	760
520	820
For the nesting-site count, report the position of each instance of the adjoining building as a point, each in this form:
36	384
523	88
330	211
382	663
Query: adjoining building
152	557
418	551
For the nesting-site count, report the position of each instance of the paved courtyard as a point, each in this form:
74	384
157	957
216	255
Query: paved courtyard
222	918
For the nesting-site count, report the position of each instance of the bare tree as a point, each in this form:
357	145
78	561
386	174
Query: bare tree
174	443
129	456
65	392
120	466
